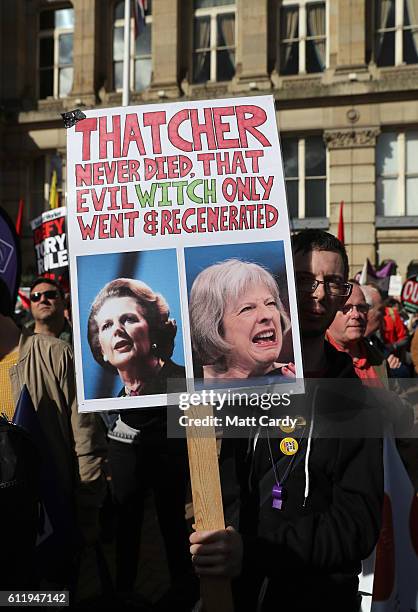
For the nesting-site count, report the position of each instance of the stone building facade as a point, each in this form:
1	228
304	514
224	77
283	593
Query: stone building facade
344	75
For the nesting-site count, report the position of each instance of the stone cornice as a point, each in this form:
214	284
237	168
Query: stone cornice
351	138
395	222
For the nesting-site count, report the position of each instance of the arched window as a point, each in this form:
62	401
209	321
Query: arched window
140	61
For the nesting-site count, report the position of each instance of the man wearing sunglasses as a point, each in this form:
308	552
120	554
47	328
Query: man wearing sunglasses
47	304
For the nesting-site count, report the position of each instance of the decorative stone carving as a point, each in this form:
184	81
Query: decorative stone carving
351	138
51	104
305	81
353	115
207	90
405	221
399	73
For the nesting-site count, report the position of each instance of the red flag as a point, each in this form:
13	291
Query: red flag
340	234
19	218
140	6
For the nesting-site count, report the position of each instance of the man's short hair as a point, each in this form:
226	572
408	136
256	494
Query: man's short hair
368	291
49	281
317	240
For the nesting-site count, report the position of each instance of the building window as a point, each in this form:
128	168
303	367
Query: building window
397	174
214	40
302	37
396	32
56	29
305	170
140	64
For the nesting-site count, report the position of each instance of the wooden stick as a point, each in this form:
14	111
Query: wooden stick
207	501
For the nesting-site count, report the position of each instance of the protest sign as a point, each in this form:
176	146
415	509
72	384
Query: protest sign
409	295
50	241
160	194
395	285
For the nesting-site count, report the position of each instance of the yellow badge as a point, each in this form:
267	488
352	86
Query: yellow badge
289	446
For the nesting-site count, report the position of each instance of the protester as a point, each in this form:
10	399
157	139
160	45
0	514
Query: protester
19	503
376	311
374	330
310	550
393	328
347	331
238	322
130	332
75	441
48	307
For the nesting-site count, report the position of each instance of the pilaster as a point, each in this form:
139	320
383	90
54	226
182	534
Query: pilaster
165	57
85	34
352	180
251	46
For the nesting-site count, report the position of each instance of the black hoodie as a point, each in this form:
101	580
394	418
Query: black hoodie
311	549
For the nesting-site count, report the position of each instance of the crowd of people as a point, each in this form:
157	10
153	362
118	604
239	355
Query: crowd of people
308	546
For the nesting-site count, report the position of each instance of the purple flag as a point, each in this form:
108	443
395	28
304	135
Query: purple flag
10	257
56	530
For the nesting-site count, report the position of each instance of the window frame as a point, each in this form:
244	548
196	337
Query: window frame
120	23
301	179
55	34
302	37
398	29
400	176
213	12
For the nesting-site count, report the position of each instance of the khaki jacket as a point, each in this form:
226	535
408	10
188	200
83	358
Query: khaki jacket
77	441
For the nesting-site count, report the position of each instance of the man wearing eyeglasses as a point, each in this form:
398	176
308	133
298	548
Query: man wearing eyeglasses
321	267
347	331
305	554
47	304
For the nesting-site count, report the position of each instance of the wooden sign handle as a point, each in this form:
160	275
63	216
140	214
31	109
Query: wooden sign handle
207	501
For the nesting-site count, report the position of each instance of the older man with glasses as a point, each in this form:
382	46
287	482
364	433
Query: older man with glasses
47	304
347	331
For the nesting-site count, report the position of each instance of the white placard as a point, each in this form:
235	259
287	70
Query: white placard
395	285
159	192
